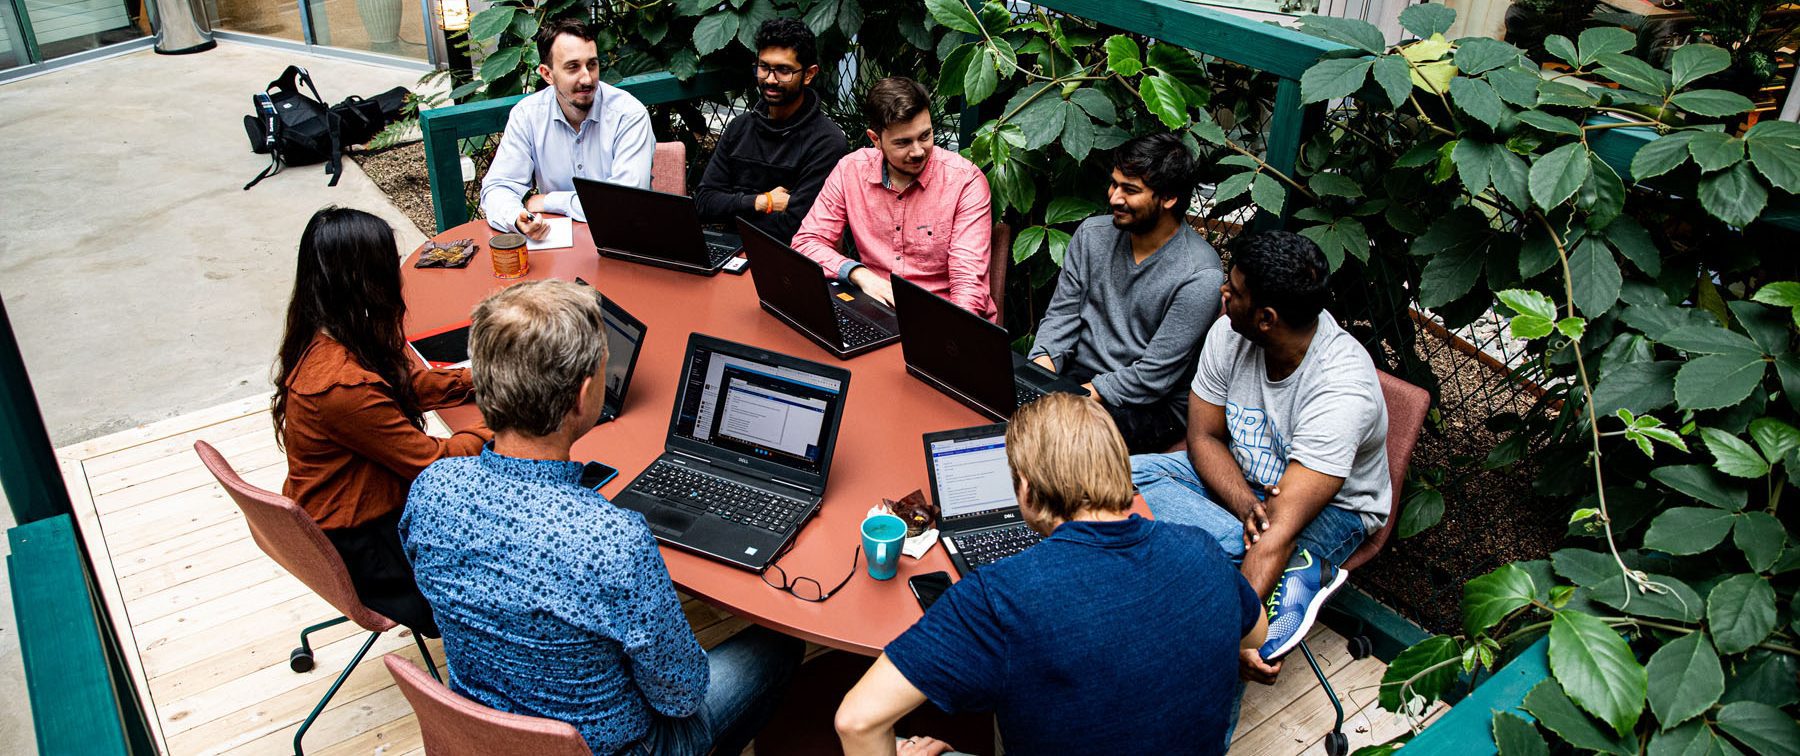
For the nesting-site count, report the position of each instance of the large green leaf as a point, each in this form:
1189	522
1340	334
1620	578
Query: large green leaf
1511	178
1233	186
1476	98
1474	161
1761	727
1693	61
1449	275
1741	612
1688	530
1633	241
1600	41
1268	193
1595	276
1778	161
955	70
1554	710
1774	437
1334	185
954	14
1477	55
714	32
1331	79
1424	21
1412	663
981	77
1516	86
751	21
1042	120
1708	339
1672	599
1685	679
1027	243
1488	599
1358	34
1395	78
1554	124
1423	507
1558	93
1165	101
1095	103
1732	456
1556	176
502	62
1516	737
1761	537
1070	209
1058	240
1637	386
1766	677
1597	669
1691	739
1713	103
1635	74
1123	55
1704	484
1602	195
1661	155
1717	381
1713	150
488	24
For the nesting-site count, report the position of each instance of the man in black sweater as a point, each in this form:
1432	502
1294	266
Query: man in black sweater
771	161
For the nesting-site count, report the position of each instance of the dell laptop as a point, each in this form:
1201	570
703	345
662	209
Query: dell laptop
836	316
972	486
963	355
747	453
624	339
652	227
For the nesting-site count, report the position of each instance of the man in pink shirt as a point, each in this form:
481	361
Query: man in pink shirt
913	210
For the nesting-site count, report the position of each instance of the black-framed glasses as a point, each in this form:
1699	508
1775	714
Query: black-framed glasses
805	588
781	73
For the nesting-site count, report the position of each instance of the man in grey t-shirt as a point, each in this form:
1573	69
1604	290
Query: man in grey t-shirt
1137	291
1287	439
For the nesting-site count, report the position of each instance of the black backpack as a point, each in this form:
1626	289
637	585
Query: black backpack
294	129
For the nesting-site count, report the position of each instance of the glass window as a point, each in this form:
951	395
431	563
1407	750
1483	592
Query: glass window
391	27
65	27
269	18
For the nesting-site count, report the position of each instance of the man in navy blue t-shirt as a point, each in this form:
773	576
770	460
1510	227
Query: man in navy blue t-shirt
1114	633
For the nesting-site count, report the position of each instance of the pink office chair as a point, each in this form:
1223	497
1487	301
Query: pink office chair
668	168
456	726
1406	406
289	536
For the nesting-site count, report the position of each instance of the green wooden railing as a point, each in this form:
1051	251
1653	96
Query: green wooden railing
445	128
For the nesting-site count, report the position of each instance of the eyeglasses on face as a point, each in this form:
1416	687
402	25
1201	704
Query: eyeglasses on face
808	589
781	73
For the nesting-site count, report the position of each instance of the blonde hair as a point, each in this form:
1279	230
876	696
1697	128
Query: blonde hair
530	347
1067	447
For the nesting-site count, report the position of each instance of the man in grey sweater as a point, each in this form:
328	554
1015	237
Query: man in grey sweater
1136	296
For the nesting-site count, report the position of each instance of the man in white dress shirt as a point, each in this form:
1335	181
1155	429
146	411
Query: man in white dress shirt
577	126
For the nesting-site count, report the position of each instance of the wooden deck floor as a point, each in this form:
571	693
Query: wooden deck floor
209	620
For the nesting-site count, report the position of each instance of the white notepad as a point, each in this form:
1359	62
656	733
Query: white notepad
561	236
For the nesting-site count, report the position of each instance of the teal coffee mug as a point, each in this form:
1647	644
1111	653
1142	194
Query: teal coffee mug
881	537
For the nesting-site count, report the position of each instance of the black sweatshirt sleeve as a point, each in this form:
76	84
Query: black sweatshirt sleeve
716	197
825	152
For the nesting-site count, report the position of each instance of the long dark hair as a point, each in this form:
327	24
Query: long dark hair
347	284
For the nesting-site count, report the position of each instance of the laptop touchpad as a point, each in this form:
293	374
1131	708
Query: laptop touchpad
668	522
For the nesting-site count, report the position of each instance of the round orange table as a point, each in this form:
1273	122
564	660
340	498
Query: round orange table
879	449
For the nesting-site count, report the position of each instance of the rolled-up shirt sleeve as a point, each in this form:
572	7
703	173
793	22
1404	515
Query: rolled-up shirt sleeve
823	226
971	247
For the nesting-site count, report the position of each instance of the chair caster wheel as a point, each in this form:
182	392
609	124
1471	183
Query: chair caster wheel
1337	744
300	660
1361	647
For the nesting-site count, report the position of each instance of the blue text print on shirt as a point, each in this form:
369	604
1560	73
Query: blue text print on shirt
1257	445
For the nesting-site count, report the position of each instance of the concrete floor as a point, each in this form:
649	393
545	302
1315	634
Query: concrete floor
141	280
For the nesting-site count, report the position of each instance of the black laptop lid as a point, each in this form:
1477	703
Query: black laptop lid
789	281
971	480
955	346
643	222
759	412
624	339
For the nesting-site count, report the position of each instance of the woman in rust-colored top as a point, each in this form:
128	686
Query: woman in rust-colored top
349	405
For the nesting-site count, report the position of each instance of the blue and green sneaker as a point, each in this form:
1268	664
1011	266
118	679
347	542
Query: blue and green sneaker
1304	588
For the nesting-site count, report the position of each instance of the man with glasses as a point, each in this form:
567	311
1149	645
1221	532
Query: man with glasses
577	126
553	602
1115	633
771	161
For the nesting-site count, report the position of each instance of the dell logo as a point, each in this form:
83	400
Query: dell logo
743	461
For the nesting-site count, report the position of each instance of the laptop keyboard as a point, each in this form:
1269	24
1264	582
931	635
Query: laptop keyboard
717	252
986	547
729	499
1024	394
854	332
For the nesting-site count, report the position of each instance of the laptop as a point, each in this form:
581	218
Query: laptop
836	316
979	518
963	355
624	339
747	453
653	228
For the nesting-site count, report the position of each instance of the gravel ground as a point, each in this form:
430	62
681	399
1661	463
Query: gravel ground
1490	517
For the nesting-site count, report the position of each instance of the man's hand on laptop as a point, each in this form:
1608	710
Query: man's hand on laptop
1044	361
873	285
532	224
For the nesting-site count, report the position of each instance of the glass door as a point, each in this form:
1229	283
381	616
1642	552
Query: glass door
66	27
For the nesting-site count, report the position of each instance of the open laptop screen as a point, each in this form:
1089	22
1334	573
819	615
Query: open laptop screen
623	337
970	475
758	409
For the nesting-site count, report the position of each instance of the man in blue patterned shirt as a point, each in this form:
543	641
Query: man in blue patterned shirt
553	602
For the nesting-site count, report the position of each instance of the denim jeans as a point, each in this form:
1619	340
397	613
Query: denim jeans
748	674
1174	492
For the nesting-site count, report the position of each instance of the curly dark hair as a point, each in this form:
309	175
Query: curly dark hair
1163	163
791	34
1283	271
556	27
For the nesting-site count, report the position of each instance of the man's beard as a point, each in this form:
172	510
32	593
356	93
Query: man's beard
783	96
1133	224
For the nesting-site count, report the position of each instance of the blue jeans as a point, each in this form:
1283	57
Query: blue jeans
748	676
1175	494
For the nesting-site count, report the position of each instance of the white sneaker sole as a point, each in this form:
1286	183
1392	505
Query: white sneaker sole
1312	614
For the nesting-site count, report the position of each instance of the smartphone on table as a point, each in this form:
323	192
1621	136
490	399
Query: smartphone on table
928	587
596	474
